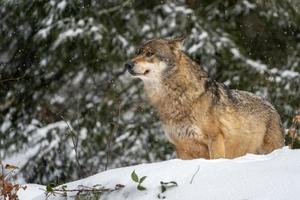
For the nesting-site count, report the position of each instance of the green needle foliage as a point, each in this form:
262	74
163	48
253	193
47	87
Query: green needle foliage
62	60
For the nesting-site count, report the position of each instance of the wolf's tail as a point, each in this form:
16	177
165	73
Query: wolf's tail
292	137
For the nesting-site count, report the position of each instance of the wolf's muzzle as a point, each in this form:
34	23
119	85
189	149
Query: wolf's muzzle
129	65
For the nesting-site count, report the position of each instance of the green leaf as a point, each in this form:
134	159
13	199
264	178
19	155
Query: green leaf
142	179
134	176
165	185
163	188
173	182
49	188
139	187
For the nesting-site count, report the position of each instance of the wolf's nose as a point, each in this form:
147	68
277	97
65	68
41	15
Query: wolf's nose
129	65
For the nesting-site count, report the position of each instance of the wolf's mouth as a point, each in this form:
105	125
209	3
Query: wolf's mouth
133	73
138	74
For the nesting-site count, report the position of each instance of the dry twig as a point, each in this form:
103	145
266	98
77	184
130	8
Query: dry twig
192	179
115	129
292	132
74	138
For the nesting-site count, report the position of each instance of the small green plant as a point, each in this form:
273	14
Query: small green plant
138	180
50	190
164	186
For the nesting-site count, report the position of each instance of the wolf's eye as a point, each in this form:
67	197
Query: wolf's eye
148	53
138	52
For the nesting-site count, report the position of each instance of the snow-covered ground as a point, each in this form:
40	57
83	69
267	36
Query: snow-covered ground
274	176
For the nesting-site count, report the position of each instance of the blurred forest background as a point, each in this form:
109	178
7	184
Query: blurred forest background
63	84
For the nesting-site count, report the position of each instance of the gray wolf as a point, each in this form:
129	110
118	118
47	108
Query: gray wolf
201	117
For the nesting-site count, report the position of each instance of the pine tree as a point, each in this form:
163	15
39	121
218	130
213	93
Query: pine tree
63	85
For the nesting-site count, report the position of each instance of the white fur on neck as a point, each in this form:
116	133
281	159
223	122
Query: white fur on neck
153	79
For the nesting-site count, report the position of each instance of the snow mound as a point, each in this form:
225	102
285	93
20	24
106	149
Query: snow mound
274	176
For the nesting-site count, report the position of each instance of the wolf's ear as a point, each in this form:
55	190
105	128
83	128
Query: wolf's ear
177	42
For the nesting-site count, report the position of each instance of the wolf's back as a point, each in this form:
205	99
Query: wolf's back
259	113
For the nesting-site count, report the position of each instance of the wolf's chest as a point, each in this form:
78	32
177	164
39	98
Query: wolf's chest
176	132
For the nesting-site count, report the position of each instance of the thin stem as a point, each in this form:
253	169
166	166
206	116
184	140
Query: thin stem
115	129
12	79
75	143
192	179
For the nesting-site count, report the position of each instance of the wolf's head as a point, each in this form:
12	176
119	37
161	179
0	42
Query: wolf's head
155	59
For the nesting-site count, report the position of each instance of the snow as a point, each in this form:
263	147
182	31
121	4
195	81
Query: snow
235	52
183	9
274	176
145	28
43	33
249	5
257	65
195	47
70	33
5	125
94	29
289	74
283	74
32	191
81	22
62	5
203	35
123	40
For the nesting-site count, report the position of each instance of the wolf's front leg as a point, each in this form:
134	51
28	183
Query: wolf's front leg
183	154
216	147
192	152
